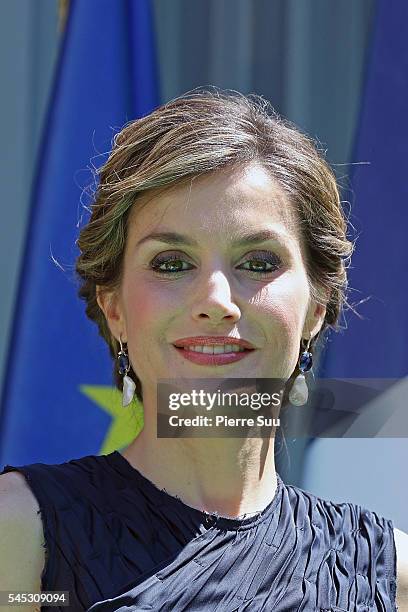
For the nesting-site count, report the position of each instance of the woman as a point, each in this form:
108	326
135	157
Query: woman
217	227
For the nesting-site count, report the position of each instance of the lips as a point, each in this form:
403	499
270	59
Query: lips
212	340
213	359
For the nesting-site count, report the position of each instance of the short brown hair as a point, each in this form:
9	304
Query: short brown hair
200	132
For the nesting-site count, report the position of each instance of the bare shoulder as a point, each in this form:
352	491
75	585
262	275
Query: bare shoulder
22	554
16	497
401	547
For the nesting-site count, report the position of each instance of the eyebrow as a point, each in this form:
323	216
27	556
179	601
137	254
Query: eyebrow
243	239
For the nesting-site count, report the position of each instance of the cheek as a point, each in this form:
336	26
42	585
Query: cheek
147	313
147	305
284	303
282	307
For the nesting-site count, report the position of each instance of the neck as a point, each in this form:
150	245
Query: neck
228	476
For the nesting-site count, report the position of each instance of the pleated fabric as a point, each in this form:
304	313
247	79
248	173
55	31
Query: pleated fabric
118	543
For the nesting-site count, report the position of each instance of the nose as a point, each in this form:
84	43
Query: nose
213	301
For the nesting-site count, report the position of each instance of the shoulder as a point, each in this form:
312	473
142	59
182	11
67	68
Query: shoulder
17	501
401	547
21	535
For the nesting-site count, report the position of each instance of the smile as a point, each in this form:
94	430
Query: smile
213	354
215	348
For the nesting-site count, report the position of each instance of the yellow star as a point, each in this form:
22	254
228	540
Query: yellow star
127	422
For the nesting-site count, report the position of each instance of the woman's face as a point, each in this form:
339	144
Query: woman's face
205	282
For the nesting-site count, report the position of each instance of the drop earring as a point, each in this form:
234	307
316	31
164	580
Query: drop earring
299	393
124	367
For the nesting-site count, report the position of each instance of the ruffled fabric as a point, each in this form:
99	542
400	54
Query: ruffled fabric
119	543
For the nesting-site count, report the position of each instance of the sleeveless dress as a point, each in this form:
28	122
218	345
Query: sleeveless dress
115	541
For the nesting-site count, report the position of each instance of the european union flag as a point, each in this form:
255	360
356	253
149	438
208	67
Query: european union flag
59	401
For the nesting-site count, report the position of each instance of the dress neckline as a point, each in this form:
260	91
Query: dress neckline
162	497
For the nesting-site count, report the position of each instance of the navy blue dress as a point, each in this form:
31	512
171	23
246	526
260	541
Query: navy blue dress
117	542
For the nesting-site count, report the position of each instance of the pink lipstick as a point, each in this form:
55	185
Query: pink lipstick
213	350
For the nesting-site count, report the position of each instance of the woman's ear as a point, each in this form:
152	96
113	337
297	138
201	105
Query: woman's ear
110	304
315	316
316	319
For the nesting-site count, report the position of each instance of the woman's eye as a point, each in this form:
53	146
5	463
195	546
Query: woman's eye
263	263
169	264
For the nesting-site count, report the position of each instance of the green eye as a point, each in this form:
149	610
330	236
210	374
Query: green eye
265	263
169	264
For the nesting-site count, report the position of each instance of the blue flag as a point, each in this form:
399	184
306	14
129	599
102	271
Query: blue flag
58	400
376	345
